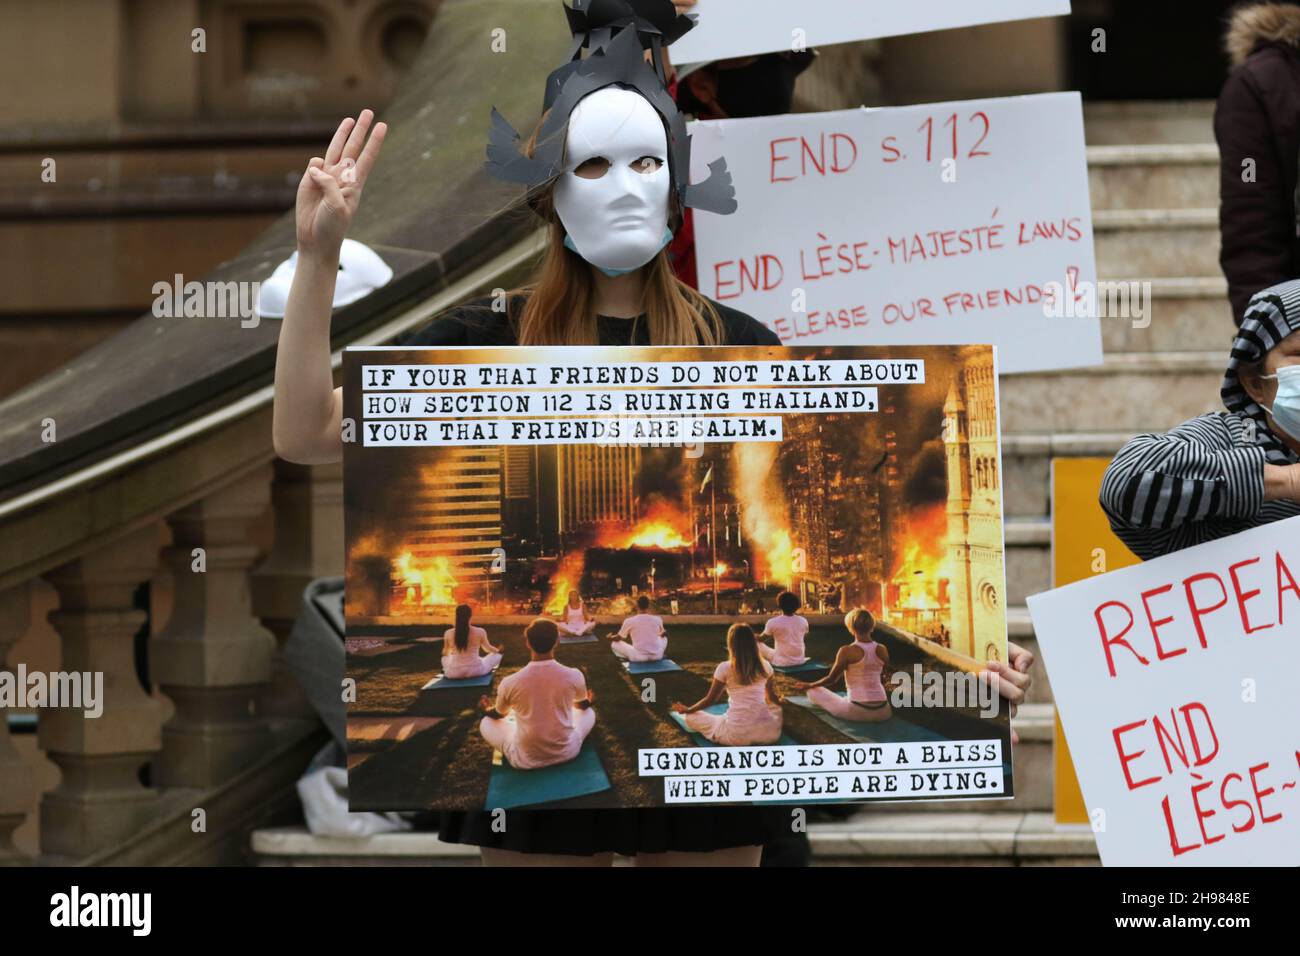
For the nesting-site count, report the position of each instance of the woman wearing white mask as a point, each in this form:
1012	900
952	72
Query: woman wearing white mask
607	170
1222	472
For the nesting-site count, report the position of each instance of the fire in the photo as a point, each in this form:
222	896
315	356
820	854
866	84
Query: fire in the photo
663	527
763	511
917	595
567	577
428	583
385	580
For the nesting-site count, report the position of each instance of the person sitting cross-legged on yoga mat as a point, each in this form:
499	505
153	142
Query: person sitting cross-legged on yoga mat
753	714
859	663
550	703
646	630
460	648
575	623
787	631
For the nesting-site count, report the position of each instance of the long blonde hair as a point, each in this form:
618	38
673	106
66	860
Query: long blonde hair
558	309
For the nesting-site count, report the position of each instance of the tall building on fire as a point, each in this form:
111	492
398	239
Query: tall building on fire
596	484
451	525
978	584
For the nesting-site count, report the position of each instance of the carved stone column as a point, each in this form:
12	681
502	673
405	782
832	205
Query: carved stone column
308	504
99	800
17	783
213	658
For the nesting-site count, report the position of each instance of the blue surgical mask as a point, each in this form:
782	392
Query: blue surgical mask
1286	404
615	273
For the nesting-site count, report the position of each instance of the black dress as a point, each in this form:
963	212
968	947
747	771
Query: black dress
586	832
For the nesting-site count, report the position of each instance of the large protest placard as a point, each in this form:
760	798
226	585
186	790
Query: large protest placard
943	223
1175	681
733	28
624	576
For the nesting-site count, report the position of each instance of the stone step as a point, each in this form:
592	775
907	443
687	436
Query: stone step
1028	557
950	837
296	846
1129	391
1164	314
1115	122
1027	465
1154	176
1156	243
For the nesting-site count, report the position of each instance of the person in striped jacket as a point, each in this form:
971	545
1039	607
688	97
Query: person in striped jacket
1222	472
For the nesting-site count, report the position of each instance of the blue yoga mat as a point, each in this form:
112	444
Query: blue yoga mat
702	741
895	730
800	668
585	639
651	667
582	775
448	683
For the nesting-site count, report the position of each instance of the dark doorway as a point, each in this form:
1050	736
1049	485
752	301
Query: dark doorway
1154	49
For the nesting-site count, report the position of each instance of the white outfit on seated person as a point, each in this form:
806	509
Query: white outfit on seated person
788	632
750	718
648	641
862	678
575	623
547	727
458	664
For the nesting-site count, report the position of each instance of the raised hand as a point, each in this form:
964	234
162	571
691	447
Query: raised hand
331	187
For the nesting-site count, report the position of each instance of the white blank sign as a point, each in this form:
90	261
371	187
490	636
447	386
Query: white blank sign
733	28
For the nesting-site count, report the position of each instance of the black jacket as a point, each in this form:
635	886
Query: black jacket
1257	126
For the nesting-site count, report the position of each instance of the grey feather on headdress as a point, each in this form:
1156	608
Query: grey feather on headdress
506	160
618	34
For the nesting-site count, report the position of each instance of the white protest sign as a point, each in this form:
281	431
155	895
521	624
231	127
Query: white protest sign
1176	682
732	28
939	224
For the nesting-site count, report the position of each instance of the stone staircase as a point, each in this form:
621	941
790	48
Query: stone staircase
1155	218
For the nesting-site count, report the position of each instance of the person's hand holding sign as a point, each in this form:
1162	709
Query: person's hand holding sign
1011	679
331	187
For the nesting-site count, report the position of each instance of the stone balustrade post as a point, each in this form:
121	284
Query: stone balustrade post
307	501
100	800
213	657
17	782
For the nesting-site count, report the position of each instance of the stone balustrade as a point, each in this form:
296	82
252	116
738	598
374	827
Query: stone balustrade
234	593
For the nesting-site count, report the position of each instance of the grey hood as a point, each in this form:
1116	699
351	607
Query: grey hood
1271	316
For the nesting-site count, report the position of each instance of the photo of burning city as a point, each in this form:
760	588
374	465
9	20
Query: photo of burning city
638	560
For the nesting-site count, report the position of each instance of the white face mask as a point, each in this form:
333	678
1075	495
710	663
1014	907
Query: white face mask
613	196
1286	403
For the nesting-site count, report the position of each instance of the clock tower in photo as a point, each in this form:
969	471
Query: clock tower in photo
975	545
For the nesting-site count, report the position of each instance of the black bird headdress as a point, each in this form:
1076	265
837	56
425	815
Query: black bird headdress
615	34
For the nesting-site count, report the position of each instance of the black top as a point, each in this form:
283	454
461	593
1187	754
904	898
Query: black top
585	832
476	323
